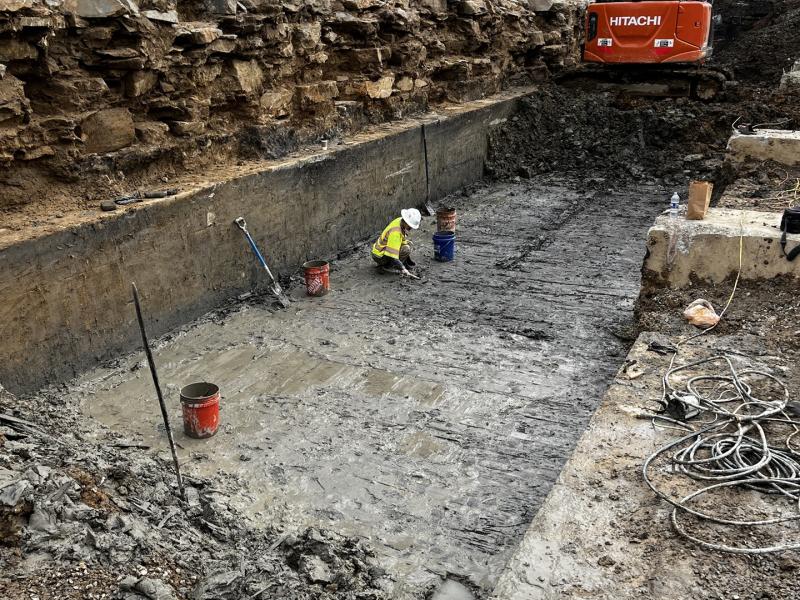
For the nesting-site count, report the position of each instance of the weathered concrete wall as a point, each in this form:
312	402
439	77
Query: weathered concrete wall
65	298
680	250
780	145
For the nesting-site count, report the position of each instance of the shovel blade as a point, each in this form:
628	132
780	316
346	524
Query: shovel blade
281	297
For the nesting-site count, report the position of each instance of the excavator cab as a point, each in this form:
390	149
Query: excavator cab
648	32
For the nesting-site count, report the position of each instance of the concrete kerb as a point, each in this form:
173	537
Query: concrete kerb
65	295
679	250
780	145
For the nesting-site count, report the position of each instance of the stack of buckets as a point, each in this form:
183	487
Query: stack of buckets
444	240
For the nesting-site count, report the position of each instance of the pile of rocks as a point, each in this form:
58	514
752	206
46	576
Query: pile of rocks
81	77
85	514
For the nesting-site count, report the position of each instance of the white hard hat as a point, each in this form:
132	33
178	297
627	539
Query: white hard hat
412	217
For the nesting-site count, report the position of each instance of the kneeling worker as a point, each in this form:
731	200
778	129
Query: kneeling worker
392	251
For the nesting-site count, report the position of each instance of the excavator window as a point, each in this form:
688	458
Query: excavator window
592	26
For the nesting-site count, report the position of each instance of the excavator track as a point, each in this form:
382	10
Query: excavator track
696	82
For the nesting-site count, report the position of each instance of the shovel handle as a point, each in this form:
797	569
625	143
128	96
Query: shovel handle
241	224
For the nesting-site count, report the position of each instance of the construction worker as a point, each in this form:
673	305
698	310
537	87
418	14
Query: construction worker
392	250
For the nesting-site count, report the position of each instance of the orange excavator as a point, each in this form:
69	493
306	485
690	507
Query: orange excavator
655	48
648	32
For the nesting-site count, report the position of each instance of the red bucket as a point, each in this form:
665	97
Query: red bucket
317	278
200	405
446	219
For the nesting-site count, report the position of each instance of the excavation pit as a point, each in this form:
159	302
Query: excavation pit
384	411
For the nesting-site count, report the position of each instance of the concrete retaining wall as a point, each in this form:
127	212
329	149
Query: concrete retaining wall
708	250
65	301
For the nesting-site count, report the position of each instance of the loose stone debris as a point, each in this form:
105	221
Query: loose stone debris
86	520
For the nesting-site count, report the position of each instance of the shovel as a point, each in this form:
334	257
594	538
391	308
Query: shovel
276	288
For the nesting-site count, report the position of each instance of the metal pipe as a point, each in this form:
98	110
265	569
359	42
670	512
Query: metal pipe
153	372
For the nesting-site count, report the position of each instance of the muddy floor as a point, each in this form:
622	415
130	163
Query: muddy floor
432	417
604	524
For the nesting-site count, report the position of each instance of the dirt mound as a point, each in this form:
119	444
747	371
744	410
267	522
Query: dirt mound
617	138
570	130
761	54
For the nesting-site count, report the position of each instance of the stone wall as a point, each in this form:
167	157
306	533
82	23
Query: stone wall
93	86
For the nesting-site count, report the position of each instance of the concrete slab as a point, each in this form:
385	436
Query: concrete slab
780	145
601	534
430	417
679	250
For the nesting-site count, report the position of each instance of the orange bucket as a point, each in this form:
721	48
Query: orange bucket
200	406
446	219
317	274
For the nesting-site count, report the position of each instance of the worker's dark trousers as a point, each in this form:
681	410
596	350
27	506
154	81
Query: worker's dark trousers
405	258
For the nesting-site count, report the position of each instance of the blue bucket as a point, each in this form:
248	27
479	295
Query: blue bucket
444	245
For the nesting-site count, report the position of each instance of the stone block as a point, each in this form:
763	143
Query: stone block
206	74
170	16
472	8
317	93
35	153
13	49
223	45
360	4
151	132
541	5
405	84
15	5
101	9
187	128
108	130
276	103
438	7
307	35
248	75
139	83
221	7
197	33
13	103
381	88
536	38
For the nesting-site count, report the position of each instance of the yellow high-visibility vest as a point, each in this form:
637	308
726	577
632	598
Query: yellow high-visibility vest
389	242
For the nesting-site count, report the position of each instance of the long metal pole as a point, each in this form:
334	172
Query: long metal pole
153	372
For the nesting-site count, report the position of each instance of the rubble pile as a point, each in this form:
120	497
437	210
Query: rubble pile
620	139
86	514
90	86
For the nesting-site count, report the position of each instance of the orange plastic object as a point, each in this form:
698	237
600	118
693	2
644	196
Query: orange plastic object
200	406
647	32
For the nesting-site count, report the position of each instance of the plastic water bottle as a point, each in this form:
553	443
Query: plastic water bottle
674	205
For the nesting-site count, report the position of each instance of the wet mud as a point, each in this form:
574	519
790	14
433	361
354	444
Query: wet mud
428	417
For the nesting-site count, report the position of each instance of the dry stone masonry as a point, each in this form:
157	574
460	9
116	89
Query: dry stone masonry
139	77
